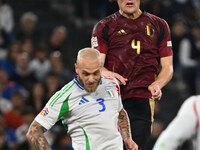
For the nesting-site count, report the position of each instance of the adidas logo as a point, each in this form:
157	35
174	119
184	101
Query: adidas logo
83	101
121	32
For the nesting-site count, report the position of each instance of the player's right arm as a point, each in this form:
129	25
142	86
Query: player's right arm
51	113
35	136
105	71
99	41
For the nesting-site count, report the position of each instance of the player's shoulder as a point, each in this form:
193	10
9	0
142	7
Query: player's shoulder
68	88
190	102
154	17
61	95
109	18
100	24
109	79
192	99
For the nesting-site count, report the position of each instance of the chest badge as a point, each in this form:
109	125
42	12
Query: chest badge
149	30
110	92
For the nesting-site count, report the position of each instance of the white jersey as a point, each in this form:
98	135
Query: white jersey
91	119
184	126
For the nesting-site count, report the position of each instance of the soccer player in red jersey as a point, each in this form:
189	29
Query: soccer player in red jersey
133	44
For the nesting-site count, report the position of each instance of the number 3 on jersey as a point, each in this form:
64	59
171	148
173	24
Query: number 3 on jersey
101	102
136	46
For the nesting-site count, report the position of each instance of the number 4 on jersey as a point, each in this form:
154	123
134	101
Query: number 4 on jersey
137	47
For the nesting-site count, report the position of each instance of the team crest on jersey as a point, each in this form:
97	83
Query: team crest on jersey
94	42
44	112
149	30
110	91
121	32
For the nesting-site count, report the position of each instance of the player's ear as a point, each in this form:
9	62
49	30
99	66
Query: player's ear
76	68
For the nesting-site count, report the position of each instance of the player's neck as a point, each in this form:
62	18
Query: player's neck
131	16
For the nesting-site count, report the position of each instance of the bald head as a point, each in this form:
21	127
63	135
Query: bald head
89	54
88	68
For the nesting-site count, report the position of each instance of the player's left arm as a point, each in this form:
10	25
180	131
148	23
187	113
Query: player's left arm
125	130
163	78
166	60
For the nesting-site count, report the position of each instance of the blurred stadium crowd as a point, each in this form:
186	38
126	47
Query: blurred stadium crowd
39	40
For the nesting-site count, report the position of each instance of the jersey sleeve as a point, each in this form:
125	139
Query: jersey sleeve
98	40
183	127
165	40
53	110
120	105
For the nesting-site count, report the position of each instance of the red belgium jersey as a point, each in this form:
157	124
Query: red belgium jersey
133	49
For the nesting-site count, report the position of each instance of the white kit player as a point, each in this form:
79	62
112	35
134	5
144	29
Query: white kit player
90	108
185	126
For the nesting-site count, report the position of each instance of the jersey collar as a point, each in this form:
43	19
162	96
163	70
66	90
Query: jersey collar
142	14
79	85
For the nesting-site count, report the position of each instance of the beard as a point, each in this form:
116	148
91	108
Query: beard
93	89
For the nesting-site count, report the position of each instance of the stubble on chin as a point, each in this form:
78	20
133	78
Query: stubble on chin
88	90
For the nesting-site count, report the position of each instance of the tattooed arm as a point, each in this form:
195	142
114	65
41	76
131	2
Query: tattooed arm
36	137
125	130
124	124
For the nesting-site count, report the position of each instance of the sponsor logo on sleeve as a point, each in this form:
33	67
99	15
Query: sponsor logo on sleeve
169	43
94	42
44	112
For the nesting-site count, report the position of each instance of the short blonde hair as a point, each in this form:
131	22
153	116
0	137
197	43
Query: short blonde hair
90	54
